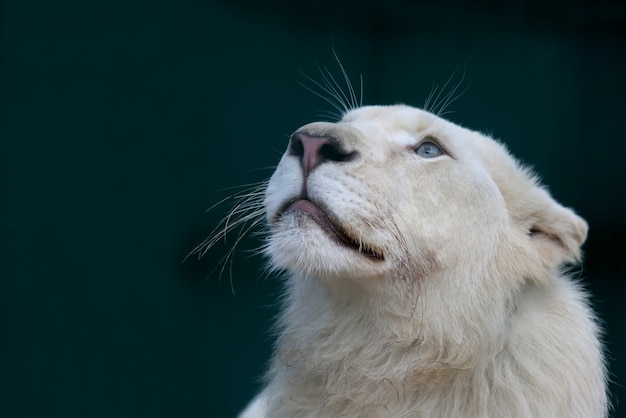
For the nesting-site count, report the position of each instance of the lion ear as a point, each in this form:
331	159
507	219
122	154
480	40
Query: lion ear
557	233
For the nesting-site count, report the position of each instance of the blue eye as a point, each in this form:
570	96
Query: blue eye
428	150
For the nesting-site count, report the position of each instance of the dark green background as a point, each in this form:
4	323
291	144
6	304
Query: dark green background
122	121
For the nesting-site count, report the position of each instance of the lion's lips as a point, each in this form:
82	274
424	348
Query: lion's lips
310	209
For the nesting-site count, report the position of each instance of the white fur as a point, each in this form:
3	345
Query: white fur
468	315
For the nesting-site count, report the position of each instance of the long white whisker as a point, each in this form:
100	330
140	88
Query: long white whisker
247	212
353	100
433	91
327	114
330	100
246	202
242	233
451	97
361	90
332	92
437	105
332	84
436	101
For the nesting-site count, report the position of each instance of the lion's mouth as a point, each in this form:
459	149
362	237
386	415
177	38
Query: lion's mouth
331	228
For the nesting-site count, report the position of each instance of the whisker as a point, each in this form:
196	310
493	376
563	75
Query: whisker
332	88
332	84
439	93
442	99
451	97
330	101
353	100
326	114
247	213
433	91
229	255
361	90
342	99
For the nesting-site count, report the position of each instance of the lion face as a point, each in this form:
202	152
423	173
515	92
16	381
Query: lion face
398	192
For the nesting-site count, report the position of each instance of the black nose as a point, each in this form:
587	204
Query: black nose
315	150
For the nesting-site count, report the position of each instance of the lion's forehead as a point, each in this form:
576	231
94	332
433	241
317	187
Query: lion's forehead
398	112
400	124
392	118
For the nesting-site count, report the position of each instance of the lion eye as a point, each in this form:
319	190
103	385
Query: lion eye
428	150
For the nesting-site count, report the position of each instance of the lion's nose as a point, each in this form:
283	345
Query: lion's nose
315	150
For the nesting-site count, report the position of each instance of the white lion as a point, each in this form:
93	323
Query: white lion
424	278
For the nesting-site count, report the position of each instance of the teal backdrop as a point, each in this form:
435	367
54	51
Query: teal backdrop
121	122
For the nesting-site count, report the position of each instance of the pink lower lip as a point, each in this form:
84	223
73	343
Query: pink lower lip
311	209
305	206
